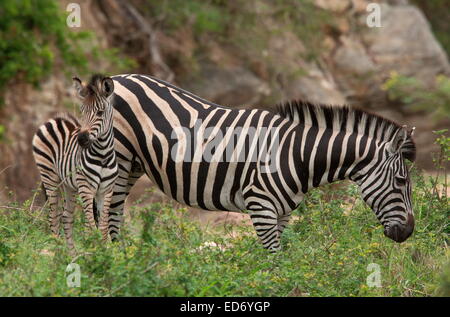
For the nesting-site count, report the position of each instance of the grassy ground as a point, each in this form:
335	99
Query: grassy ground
327	251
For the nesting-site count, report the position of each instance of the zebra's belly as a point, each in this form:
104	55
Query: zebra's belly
208	205
69	179
202	185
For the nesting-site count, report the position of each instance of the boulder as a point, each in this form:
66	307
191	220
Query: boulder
333	5
352	57
231	86
405	43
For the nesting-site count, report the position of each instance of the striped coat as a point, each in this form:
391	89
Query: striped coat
217	158
78	157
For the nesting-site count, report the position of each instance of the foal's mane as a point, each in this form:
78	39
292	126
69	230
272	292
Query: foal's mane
71	121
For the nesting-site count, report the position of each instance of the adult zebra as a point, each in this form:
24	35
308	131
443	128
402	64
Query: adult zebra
314	145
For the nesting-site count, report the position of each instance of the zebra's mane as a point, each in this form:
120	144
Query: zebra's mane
94	84
67	117
345	118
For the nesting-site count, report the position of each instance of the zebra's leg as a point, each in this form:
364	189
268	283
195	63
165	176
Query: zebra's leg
67	219
54	215
128	174
103	204
283	221
87	197
265	222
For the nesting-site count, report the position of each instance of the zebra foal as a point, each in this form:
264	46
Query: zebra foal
77	156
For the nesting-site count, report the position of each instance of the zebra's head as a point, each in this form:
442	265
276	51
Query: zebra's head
387	187
96	108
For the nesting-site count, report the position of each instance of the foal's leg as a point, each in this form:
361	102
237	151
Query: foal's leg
54	215
128	174
87	197
103	204
67	219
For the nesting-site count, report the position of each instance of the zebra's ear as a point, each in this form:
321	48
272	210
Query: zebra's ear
80	88
409	147
397	141
402	142
107	86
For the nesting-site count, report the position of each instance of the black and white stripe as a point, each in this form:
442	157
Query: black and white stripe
310	145
78	157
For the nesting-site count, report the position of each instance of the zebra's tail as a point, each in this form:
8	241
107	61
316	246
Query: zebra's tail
96	213
44	192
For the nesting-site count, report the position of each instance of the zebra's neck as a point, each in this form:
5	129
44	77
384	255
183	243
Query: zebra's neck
102	149
327	155
104	145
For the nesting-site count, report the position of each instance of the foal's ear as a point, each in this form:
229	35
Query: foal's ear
80	88
107	86
403	143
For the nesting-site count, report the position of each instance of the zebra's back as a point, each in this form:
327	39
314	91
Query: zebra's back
54	148
154	119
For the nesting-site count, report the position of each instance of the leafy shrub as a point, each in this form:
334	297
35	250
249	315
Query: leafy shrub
327	249
34	36
413	93
32	33
204	16
332	239
247	25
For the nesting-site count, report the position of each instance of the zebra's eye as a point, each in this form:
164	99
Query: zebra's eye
100	113
400	181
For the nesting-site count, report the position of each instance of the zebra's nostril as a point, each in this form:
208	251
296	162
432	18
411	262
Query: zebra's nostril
83	139
393	232
396	233
399	233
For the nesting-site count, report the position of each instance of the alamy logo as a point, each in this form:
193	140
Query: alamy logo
73	279
232	145
374	17
74	18
374	278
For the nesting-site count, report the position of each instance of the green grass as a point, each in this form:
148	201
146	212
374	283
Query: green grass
326	252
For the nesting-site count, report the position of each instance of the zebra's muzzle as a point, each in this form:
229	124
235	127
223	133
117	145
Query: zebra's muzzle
399	232
83	139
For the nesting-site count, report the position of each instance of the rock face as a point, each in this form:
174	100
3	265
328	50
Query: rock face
24	110
234	86
350	69
352	57
405	43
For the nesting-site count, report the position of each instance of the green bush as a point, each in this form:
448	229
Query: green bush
418	96
204	16
34	36
247	25
327	249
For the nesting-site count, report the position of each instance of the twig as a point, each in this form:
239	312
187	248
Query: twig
153	50
5	168
80	255
330	245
